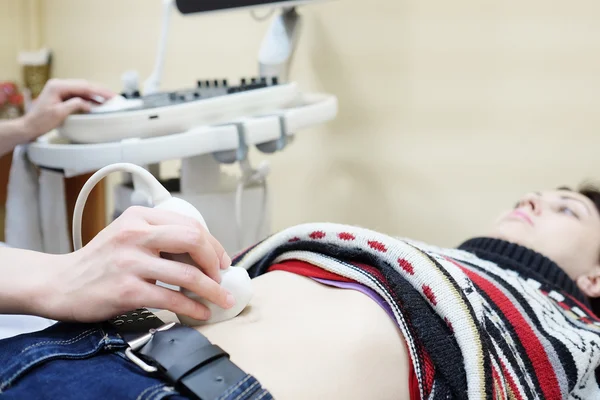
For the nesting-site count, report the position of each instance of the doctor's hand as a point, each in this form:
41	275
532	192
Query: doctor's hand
59	99
117	270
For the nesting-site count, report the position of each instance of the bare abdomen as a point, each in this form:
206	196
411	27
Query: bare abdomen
304	340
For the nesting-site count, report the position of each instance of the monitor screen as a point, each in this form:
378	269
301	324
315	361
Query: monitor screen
198	6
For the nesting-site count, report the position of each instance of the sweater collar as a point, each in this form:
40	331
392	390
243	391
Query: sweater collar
523	260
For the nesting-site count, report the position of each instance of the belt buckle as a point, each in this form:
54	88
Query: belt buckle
140	342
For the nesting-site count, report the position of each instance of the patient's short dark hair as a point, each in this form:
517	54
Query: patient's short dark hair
592	192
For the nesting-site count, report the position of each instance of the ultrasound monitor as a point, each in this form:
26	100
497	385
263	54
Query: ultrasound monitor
202	6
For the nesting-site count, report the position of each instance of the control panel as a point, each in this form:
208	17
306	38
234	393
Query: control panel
205	89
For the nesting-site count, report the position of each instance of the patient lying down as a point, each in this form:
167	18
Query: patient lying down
503	315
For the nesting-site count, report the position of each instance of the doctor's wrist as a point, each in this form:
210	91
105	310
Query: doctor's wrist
29	128
19	129
27	280
48	296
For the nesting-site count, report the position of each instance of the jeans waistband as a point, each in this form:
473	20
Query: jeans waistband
20	354
66	360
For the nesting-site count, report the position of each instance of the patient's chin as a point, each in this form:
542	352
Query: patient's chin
511	232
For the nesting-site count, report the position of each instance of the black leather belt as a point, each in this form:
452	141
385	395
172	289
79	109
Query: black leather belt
180	354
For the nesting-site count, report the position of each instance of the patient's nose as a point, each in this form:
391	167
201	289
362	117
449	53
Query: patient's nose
531	203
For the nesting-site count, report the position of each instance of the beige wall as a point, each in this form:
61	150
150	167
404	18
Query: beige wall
20	29
448	110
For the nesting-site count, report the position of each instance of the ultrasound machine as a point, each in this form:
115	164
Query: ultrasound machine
211	124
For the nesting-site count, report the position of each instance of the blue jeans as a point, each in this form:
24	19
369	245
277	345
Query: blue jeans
87	361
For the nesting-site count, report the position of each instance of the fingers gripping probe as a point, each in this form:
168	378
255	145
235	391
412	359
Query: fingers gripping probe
233	279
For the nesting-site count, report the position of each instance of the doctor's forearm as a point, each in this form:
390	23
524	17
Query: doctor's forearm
12	133
25	284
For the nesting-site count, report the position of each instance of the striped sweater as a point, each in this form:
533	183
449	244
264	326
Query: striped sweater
509	317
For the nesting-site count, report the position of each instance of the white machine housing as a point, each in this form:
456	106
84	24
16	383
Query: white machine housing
202	151
204	135
159	121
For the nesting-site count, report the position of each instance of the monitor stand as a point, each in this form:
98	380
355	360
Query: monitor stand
279	45
274	57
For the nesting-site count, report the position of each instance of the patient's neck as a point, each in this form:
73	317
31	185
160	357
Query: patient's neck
524	260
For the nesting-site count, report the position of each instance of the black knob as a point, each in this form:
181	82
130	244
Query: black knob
199	83
216	83
207	83
274	80
225	82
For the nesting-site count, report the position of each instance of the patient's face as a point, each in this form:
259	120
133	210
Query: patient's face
562	225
